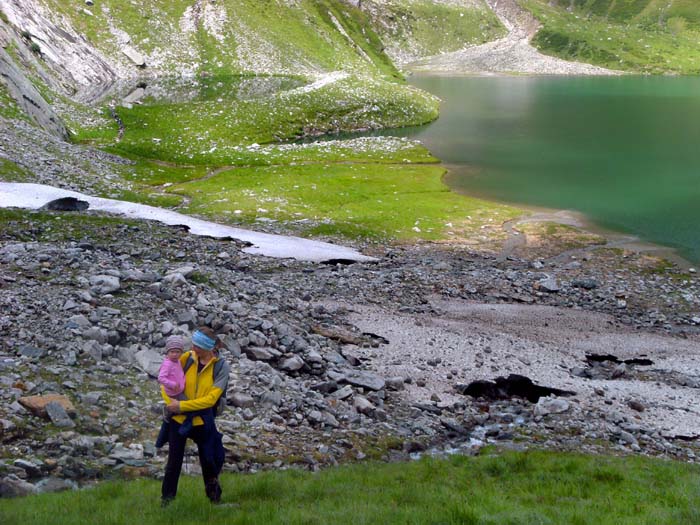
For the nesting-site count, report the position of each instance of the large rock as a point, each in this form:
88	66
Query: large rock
363	405
58	415
366	380
241	400
13	487
551	405
262	354
149	361
66	204
104	284
292	364
32	351
37	404
29	99
133	55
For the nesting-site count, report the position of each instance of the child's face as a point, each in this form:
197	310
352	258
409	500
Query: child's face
174	354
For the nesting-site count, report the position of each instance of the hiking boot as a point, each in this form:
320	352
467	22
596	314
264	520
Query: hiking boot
213	490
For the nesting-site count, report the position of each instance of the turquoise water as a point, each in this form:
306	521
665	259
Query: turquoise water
623	151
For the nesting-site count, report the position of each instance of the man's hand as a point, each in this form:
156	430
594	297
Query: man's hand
173	407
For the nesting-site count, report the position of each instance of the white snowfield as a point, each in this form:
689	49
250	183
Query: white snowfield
34	196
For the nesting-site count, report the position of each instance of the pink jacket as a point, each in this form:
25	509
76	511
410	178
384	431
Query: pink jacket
171	377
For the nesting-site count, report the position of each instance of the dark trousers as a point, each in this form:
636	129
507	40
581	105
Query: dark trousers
176	453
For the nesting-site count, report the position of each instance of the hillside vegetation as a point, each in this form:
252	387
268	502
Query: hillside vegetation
230	36
412	29
649	36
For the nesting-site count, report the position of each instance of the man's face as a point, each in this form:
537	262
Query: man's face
200	353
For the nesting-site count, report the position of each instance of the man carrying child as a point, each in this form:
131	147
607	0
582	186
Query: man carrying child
193	411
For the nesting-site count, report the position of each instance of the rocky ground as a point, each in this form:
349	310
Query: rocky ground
334	363
510	54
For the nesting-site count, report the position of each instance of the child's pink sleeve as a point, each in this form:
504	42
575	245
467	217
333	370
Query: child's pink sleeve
167	376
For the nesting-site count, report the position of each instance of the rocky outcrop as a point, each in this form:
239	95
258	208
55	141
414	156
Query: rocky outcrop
24	92
71	59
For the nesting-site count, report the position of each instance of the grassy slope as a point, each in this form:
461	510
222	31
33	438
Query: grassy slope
184	142
235	36
423	27
514	488
650	36
383	201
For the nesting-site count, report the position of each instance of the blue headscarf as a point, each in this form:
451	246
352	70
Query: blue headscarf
203	341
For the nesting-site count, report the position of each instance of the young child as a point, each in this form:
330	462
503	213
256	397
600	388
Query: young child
172	377
170	374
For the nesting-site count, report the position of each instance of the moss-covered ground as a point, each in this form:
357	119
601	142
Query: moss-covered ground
211	146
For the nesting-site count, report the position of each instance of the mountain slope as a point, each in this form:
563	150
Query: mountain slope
649	36
413	29
84	45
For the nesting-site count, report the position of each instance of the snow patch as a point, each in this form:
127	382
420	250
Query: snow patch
34	196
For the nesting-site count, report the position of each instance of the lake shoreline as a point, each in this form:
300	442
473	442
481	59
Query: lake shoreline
614	238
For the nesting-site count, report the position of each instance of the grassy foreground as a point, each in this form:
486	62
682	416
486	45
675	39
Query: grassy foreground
513	488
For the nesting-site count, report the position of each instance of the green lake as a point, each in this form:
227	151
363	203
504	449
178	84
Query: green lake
624	151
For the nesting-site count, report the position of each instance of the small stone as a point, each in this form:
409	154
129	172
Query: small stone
550	405
636	405
32	352
58	415
240	400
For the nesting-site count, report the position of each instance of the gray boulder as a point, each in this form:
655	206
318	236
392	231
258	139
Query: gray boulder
13	487
551	405
58	415
149	361
104	284
366	380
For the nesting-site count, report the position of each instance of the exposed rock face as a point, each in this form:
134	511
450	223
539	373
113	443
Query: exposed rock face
69	55
26	95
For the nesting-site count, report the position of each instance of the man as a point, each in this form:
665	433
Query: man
205	382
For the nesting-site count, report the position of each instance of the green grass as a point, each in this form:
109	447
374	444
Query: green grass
216	130
236	36
422	27
11	172
386	201
513	488
8	105
623	35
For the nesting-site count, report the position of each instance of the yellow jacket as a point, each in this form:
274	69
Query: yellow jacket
202	389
